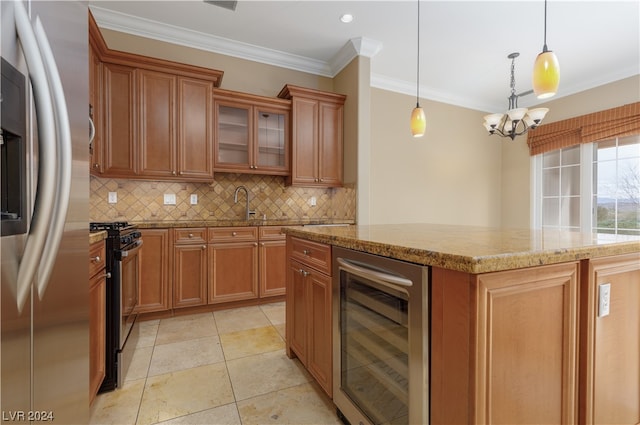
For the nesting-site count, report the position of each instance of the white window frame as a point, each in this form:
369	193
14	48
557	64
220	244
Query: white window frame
586	186
587	207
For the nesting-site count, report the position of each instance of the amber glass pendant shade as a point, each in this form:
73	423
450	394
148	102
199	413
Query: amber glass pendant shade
546	75
418	121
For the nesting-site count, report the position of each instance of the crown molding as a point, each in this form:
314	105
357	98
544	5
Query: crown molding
359	46
141	27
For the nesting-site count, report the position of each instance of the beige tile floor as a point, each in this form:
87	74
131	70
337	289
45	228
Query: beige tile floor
225	367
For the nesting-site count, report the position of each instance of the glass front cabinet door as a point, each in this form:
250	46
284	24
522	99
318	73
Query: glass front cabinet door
252	135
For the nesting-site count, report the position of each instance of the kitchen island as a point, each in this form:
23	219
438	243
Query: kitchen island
523	323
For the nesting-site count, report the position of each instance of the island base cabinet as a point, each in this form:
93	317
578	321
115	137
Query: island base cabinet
505	346
309	310
611	343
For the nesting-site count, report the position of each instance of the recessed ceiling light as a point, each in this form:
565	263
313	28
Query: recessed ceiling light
346	18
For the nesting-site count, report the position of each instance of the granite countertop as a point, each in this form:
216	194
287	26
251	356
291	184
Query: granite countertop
470	249
237	222
98	236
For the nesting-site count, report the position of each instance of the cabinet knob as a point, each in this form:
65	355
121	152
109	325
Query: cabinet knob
204	247
261	243
304	273
107	275
315	180
321	180
96	259
255	244
306	251
234	233
173	172
190	235
96	166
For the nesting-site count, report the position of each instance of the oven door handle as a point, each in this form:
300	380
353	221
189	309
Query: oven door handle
133	250
378	276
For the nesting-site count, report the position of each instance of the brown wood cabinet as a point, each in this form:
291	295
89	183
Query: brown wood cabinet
95	110
610	347
156	123
308	308
272	252
190	267
233	264
155	265
316	137
195	140
252	133
504	346
97	317
152	116
119	153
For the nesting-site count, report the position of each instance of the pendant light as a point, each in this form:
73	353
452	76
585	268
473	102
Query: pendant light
546	70
418	119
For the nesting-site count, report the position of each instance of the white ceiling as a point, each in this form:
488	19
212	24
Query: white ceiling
463	44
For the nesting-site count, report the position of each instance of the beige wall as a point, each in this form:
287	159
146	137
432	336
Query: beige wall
516	168
456	173
451	175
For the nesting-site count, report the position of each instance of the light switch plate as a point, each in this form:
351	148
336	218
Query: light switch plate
169	198
113	197
194	199
312	201
604	299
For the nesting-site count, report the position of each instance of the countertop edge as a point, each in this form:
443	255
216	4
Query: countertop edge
470	264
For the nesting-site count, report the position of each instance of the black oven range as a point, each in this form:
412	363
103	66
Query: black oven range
123	244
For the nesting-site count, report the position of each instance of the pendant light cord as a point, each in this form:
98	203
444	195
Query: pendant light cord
418	65
544	48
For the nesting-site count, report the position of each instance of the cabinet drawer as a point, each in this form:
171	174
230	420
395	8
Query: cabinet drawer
271	233
233	234
313	254
97	261
190	235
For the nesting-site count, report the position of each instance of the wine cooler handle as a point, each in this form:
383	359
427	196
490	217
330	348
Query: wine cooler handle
378	276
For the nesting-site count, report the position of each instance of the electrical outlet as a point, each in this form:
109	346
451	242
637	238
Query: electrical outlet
194	199
113	197
604	299
169	198
312	201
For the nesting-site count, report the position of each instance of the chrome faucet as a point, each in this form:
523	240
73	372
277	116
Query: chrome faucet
235	200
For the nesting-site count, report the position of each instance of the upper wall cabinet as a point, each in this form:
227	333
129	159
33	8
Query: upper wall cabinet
252	133
152	117
316	137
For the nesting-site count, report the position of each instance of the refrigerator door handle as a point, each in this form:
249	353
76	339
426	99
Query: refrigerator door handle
45	193
63	168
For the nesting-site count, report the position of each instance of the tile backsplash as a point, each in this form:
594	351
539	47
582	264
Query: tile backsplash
140	200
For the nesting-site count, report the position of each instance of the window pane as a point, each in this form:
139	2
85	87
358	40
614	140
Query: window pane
551	159
605	150
551	182
629	147
571	156
550	212
570	213
606	180
605	213
570	180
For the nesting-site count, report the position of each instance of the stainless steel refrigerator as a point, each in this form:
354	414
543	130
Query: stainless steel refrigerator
44	300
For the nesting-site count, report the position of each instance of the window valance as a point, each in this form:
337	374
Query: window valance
615	122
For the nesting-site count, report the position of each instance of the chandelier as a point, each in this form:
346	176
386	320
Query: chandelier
516	121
